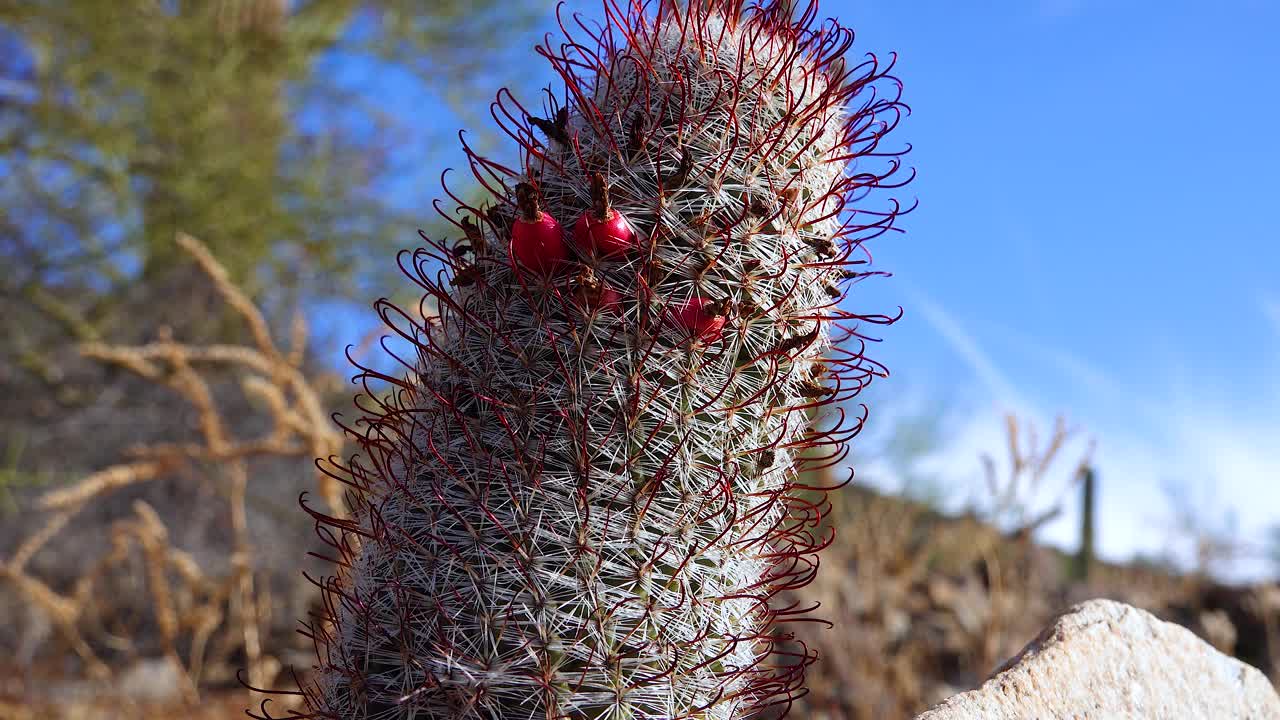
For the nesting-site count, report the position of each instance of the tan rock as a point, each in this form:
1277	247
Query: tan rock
1103	660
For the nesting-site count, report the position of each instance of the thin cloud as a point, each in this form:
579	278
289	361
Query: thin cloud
1271	308
966	345
1176	433
1186	434
1088	380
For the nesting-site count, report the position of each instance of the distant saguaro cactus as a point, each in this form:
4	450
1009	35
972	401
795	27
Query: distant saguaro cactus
583	500
1088	502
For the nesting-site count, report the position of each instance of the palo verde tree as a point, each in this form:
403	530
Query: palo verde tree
257	126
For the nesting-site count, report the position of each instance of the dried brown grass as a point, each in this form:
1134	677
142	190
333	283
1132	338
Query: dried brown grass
211	618
924	605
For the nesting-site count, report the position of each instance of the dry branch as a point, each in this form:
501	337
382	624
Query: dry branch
191	609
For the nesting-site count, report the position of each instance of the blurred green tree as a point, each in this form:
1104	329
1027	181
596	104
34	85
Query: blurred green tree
242	122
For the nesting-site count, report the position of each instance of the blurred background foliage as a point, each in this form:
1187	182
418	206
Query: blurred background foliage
296	140
124	122
253	125
242	122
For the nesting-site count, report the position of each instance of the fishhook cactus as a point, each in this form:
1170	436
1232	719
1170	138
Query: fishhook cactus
586	495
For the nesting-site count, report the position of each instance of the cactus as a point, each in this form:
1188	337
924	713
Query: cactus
1084	559
583	498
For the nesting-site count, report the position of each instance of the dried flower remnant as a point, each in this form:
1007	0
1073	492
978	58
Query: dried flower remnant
563	512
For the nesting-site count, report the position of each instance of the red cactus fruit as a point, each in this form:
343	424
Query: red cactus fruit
602	231
537	241
702	318
610	299
609	237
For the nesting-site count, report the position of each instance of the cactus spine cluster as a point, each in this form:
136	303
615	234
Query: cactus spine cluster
585	496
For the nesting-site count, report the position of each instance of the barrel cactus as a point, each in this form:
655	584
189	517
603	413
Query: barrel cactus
587	494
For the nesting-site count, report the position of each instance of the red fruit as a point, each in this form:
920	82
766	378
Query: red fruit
610	299
610	237
537	242
704	319
602	230
538	245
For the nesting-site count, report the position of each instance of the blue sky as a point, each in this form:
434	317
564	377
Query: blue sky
1095	237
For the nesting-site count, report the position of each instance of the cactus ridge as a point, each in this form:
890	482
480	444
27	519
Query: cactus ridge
571	508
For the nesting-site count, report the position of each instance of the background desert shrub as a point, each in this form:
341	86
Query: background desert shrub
204	593
924	604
